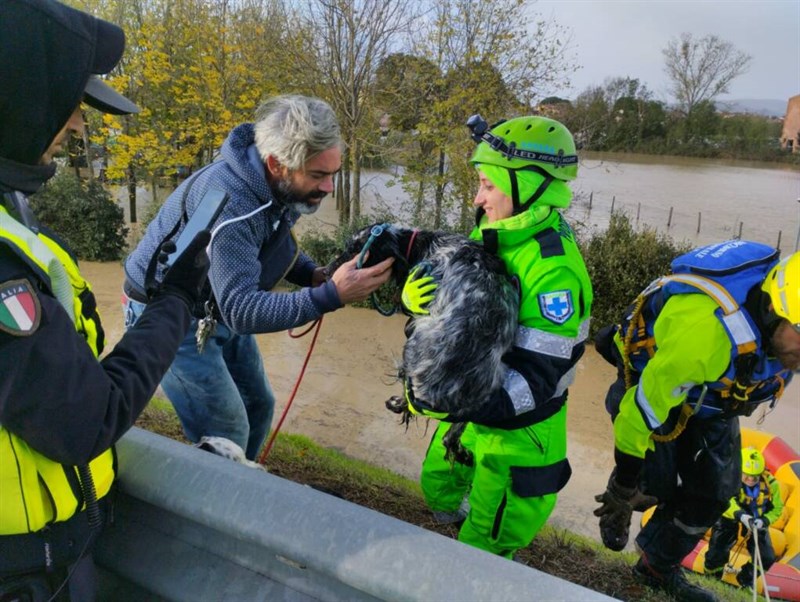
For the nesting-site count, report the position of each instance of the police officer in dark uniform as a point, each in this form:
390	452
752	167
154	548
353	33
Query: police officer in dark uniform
61	409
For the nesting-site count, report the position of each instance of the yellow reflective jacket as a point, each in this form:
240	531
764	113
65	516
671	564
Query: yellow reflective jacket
34	490
693	348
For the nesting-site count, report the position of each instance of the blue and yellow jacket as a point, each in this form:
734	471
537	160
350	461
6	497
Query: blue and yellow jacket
761	501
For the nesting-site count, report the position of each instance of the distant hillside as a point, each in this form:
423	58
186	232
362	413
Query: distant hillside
766	107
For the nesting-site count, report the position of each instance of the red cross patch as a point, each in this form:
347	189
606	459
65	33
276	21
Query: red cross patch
20	310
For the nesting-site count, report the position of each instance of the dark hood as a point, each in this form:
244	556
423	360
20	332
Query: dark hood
47	53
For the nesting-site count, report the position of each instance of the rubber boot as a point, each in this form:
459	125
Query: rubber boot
745	576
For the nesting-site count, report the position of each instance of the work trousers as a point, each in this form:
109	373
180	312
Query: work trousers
694	477
223	392
724	537
512	484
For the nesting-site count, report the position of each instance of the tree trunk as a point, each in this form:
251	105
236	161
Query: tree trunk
72	156
355	205
419	203
439	198
132	193
344	210
87	151
154	187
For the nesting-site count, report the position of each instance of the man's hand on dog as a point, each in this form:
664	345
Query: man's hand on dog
354	284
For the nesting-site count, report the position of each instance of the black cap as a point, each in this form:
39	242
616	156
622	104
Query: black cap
104	98
109	44
50	58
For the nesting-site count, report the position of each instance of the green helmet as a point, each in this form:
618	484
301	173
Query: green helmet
524	143
752	462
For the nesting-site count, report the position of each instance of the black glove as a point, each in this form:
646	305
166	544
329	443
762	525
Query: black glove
186	277
618	504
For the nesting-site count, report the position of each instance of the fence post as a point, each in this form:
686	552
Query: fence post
699	214
613	200
669	219
740	230
797	240
638	209
591	194
778	245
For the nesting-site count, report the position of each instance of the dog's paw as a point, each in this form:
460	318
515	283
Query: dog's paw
397	404
227	449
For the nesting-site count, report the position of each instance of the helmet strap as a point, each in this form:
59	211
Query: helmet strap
479	213
521	207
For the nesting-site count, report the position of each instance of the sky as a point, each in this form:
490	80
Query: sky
619	38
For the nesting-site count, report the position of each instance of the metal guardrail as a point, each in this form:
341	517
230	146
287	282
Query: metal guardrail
190	525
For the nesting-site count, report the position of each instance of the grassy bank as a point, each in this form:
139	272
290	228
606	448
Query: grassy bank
555	551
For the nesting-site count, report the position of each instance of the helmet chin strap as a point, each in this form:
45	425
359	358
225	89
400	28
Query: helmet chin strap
521	207
479	213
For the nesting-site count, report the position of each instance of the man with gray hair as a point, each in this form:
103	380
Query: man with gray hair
273	171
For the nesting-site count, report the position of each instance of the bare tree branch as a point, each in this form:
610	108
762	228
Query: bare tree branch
702	69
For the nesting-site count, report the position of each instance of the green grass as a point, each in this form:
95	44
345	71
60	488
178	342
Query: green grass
556	551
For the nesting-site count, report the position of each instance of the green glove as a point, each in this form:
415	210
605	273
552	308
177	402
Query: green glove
418	291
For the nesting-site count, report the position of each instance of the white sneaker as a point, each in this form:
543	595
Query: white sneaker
447	518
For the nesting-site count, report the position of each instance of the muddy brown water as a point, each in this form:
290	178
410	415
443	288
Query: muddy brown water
340	402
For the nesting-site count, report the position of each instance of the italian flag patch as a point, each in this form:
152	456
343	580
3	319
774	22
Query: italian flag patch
20	311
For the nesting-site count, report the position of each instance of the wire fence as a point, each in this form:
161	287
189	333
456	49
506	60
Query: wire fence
592	212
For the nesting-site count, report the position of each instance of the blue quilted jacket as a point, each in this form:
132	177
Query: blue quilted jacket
248	257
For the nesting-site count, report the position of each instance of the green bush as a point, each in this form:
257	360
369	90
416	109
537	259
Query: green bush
321	247
621	262
83	213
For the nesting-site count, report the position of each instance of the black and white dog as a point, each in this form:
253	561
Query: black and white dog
453	355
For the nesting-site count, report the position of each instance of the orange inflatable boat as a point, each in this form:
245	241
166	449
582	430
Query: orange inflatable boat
783	578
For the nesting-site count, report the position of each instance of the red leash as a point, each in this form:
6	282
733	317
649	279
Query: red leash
262	458
411	243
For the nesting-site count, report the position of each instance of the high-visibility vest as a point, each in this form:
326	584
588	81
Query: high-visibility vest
34	490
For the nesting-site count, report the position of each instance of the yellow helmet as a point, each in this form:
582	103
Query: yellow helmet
752	462
782	285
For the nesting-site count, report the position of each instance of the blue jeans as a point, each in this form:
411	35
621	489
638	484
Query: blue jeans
224	392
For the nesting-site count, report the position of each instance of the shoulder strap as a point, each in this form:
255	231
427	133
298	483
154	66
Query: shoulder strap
733	317
550	243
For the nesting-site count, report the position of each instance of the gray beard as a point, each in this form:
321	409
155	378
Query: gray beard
287	197
303	207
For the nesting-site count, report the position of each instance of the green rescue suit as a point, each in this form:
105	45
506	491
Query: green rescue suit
518	441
